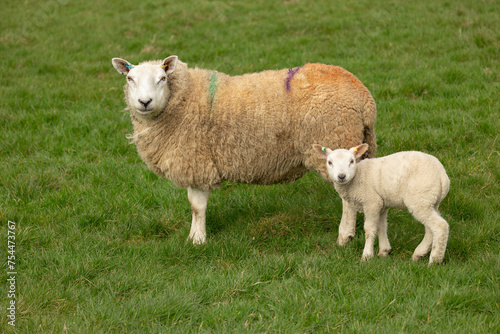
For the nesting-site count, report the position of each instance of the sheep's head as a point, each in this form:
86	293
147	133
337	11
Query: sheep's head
341	163
147	90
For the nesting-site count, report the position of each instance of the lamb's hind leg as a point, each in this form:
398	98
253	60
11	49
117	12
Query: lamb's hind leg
439	229
424	247
198	199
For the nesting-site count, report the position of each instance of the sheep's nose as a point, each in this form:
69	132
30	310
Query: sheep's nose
341	177
145	103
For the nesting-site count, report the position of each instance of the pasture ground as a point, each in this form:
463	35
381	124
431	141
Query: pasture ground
100	242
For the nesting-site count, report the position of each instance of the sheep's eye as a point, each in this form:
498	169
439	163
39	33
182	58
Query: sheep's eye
352	161
330	163
163	79
130	79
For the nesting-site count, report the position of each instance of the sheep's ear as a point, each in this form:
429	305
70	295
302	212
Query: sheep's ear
121	65
169	64
358	151
322	151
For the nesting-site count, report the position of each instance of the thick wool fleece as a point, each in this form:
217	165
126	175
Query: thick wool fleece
255	128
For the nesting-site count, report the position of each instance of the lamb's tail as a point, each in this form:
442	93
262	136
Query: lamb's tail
369	117
445	184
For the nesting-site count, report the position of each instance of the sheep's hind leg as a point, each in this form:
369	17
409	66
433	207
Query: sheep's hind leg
383	240
198	199
347	227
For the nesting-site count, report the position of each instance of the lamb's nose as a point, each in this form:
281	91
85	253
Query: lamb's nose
145	103
341	177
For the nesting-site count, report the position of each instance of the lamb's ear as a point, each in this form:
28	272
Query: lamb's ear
322	151
358	151
121	65
169	64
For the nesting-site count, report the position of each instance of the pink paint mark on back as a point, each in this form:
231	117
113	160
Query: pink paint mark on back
291	73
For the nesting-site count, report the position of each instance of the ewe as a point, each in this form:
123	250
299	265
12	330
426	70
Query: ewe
407	180
199	128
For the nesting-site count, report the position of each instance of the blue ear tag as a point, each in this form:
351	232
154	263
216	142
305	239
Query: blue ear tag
129	66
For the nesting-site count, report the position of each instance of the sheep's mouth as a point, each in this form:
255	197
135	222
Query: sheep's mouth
145	111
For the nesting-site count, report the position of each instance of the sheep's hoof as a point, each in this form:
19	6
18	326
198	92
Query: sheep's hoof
384	252
342	241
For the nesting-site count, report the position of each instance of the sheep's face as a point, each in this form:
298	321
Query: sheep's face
147	85
341	164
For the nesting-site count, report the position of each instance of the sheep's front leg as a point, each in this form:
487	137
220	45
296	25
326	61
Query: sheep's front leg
198	199
371	225
347	227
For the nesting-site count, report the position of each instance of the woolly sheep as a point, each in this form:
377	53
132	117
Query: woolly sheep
407	180
199	128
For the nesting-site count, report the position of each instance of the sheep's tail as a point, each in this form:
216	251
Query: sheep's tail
369	117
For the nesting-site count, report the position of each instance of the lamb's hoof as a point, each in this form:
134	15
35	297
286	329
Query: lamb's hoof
342	241
366	257
384	252
197	240
433	261
416	257
432	264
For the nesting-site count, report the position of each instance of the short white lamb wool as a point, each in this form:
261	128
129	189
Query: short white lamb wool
407	180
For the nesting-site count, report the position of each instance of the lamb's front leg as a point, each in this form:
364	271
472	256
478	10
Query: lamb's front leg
347	227
383	241
371	224
198	199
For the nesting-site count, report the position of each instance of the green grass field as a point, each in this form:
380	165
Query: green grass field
100	241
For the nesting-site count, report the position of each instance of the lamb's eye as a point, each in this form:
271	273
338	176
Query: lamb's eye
163	79
330	163
130	79
351	162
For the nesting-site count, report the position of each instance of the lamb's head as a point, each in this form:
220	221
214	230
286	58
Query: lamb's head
341	163
147	90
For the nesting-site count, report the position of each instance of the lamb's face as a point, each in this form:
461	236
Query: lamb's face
147	88
341	165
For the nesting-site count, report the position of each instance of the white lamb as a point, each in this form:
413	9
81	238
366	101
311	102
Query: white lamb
407	180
